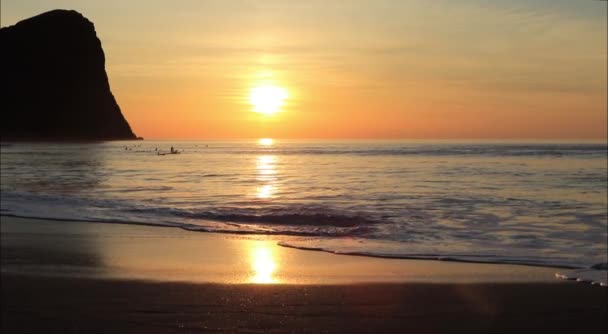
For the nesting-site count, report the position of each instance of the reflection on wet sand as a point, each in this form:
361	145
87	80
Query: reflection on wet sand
263	264
171	254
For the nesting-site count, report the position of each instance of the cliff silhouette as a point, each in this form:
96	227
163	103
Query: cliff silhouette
54	83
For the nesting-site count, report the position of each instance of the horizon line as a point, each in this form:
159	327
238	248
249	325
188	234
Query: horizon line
592	139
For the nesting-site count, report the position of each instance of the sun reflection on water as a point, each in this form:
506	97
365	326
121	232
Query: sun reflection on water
266	174
263	265
265	141
266	191
266	167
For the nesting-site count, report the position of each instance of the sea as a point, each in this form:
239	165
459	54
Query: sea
541	203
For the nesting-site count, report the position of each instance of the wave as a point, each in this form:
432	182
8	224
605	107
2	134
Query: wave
395	250
291	220
277	216
596	274
214	226
329	229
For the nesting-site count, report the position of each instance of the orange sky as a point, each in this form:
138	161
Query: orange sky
353	69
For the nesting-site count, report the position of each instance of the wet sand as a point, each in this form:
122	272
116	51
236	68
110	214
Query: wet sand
97	250
68	277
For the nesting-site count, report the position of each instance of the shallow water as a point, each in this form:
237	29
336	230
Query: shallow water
543	203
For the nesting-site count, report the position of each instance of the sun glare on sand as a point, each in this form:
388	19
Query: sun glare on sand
263	265
267	100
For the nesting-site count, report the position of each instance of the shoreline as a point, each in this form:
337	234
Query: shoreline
442	258
129	251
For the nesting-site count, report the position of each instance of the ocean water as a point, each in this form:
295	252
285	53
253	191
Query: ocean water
513	202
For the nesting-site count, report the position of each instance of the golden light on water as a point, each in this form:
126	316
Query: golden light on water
265	192
268	99
265	141
265	165
266	173
263	265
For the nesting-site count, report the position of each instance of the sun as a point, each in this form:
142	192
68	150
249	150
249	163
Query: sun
267	100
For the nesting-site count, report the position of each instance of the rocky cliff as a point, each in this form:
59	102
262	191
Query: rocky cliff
54	83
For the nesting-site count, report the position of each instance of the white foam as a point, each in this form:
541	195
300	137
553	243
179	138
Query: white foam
592	276
422	251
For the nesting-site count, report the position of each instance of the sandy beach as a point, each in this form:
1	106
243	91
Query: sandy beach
73	277
72	305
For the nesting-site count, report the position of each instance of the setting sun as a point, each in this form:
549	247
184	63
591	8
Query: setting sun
267	99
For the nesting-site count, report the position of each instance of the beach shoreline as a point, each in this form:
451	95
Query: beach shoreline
156	253
70	277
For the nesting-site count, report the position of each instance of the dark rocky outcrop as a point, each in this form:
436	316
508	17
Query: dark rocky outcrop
54	83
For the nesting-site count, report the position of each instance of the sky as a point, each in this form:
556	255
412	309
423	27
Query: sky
437	69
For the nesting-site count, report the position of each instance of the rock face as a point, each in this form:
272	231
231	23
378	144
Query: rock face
54	83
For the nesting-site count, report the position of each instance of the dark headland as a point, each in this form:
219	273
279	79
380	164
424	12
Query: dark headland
54	82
